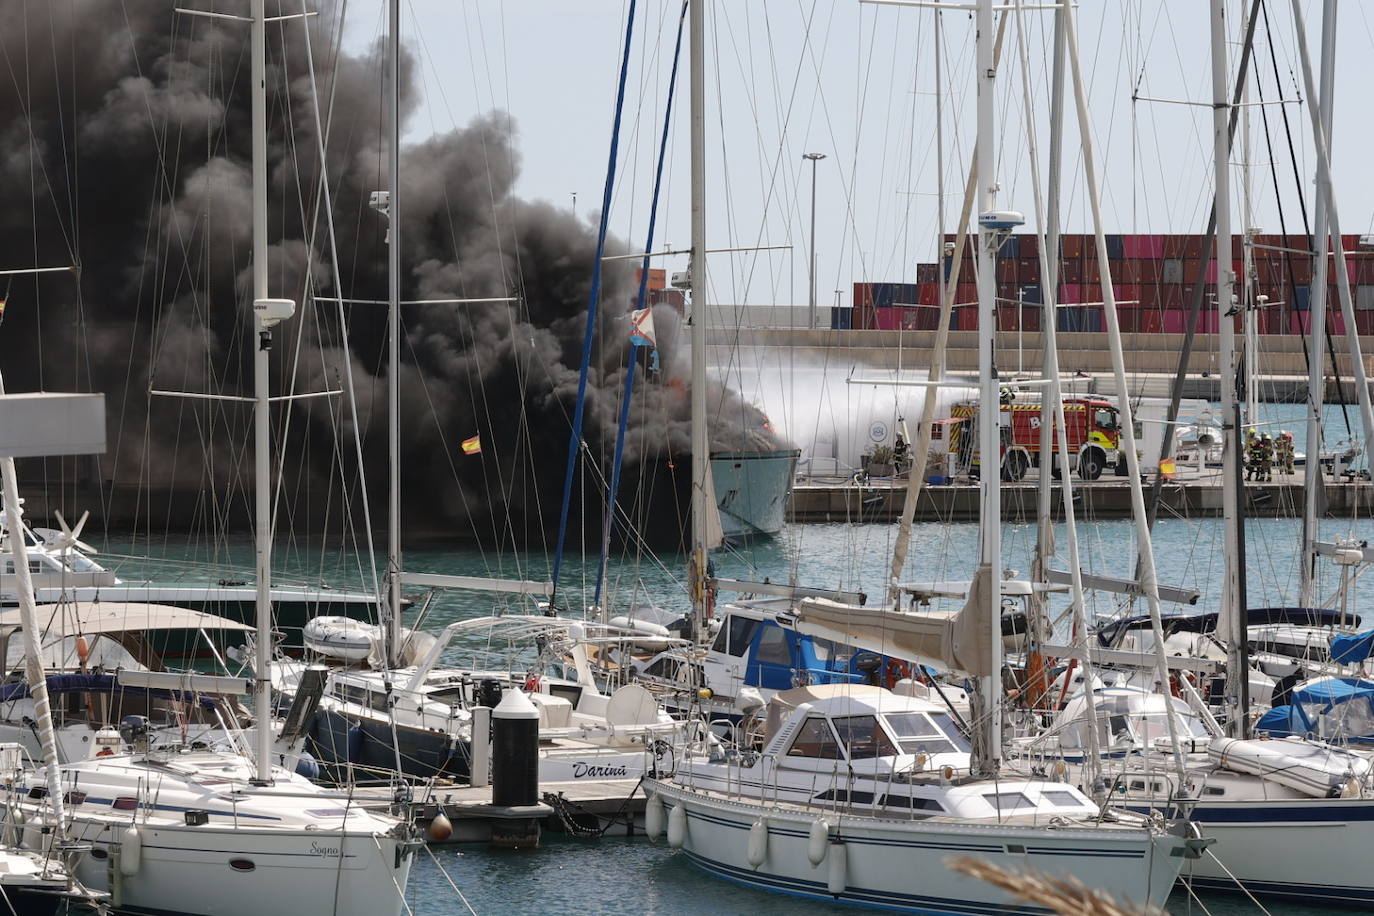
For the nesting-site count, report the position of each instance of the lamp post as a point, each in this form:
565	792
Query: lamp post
811	314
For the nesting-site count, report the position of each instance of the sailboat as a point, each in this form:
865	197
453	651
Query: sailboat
200	831
880	789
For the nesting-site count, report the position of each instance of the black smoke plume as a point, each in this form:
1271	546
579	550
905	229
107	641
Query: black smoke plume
125	148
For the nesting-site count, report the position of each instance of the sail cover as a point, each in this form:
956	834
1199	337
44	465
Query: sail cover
960	641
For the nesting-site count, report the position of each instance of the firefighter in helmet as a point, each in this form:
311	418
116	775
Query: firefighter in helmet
1283	452
1266	457
1252	455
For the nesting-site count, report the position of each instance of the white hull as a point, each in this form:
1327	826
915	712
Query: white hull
901	864
1310	850
752	490
187	870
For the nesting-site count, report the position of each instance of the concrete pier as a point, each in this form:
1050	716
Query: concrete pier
881	500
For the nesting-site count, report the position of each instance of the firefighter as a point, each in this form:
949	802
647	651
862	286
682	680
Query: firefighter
1252	455
1266	458
900	453
1283	452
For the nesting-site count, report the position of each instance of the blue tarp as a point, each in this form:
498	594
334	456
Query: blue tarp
1355	647
1282	721
1333	690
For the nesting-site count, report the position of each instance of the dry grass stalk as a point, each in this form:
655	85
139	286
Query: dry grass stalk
1065	895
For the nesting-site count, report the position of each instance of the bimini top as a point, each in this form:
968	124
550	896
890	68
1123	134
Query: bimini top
1207	623
87	618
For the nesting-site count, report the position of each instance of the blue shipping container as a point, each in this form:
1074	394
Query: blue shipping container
841	319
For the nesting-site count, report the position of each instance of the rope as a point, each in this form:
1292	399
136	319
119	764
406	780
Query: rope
575	439
639	304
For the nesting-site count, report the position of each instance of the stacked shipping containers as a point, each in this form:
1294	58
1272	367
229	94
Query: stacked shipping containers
1153	279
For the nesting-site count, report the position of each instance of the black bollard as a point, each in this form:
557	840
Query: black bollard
515	751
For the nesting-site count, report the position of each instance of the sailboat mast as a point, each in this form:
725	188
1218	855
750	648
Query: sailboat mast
1317	306
1232	611
989	412
393	387
262	432
696	271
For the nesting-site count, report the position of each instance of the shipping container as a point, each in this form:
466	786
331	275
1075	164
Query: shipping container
1116	248
1030	247
1072	246
1011	248
841	318
1143	246
1008	271
1028	271
927	273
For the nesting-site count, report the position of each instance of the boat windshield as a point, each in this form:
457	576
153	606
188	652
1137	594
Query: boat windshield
863	737
919	733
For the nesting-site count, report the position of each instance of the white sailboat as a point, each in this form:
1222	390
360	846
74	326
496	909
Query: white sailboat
206	832
876	787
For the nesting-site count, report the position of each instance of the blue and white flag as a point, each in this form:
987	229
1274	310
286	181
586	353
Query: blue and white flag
642	327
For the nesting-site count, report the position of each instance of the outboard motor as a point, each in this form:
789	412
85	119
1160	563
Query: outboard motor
868	664
489	693
134	732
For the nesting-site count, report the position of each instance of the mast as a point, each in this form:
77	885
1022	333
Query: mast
393	322
262	432
696	272
1250	315
989	410
28	619
1316	377
1232	589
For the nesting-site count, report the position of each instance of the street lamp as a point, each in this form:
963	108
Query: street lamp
811	314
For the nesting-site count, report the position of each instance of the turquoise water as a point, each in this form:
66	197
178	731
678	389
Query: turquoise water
634	876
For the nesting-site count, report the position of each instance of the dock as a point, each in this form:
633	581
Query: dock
880	500
584	807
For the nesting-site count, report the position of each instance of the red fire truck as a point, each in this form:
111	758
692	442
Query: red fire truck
1094	436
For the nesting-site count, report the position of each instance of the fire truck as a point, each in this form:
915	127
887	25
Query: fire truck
1094	436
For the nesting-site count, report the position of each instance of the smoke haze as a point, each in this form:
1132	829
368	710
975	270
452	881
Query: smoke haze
125	146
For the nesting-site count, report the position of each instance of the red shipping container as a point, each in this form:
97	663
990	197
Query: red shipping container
966	294
1007	270
1127	322
1193	247
1028	270
968	319
863	295
1029	246
1070	293
1143	246
1071	246
1130	293
1364	321
1364	272
887	318
1151	321
928	294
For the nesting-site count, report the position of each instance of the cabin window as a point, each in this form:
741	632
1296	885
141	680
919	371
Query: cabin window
1066	799
1213	790
666	667
864	737
737	636
815	739
934	734
912	802
773	649
826	650
845	795
1137	784
1106	419
1007	802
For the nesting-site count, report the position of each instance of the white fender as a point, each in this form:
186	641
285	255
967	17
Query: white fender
819	843
130	851
654	816
758	843
839	868
677	826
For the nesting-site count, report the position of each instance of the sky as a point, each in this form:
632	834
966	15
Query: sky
856	83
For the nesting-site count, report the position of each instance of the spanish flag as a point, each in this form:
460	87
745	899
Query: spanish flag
472	446
1167	468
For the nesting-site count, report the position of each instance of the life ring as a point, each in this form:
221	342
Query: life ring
896	670
531	683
